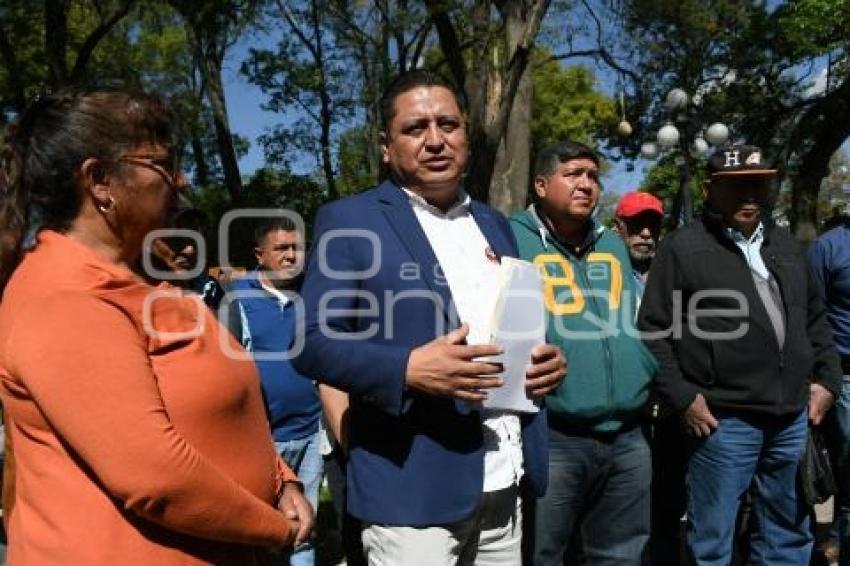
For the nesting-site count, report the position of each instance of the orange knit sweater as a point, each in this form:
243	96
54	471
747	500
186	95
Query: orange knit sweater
135	439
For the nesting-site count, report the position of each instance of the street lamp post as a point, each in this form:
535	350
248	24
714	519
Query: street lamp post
684	132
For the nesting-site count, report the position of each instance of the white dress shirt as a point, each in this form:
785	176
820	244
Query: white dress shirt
470	269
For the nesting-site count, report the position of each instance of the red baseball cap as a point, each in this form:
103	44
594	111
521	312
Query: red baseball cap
636	202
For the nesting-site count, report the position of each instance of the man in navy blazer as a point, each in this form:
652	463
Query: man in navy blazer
393	273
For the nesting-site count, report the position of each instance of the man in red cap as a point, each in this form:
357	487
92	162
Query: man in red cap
638	220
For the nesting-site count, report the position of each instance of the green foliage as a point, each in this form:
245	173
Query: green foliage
663	181
776	73
813	27
605	208
566	104
354	154
308	75
268	188
22	29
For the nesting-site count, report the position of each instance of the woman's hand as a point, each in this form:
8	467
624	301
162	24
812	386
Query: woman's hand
296	508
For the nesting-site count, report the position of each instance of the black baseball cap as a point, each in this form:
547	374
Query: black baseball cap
739	160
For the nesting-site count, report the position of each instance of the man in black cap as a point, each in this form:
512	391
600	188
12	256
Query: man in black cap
740	331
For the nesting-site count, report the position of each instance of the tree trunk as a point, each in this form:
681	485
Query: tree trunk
202	170
488	129
56	41
804	200
371	101
477	86
88	46
325	114
509	185
828	125
224	136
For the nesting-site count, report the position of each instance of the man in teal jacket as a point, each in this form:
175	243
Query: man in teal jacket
599	460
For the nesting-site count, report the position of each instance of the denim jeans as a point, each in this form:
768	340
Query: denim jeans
599	492
766	452
305	459
838	430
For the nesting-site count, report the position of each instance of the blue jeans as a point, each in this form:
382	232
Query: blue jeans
599	491
305	459
838	430
766	452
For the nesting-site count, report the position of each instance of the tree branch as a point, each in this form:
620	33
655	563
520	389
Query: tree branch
351	27
832	104
89	45
448	39
56	40
420	42
293	25
603	54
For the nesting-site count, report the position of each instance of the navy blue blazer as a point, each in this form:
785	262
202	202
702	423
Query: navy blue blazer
373	291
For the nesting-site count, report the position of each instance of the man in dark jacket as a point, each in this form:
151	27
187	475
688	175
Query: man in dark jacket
740	331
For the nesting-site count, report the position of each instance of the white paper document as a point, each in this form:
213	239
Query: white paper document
518	325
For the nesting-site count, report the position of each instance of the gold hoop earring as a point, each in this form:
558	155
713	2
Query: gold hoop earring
106	208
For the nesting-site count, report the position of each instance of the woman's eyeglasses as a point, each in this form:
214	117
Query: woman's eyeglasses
176	179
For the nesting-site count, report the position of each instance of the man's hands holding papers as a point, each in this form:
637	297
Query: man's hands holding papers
547	370
446	367
450	368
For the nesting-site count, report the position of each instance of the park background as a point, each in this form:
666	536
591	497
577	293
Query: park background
278	100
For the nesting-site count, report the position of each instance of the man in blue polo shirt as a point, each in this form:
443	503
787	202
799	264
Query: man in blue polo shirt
829	256
266	323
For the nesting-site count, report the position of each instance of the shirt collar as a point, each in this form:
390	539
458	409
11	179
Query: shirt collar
594	232
459	208
739	238
273	291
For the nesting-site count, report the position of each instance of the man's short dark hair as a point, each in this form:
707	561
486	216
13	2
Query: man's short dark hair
560	152
410	80
273	225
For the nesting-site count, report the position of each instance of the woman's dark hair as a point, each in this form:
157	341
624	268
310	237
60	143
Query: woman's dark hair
43	150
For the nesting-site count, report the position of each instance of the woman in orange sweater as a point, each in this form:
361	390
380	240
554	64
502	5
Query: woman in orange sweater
136	440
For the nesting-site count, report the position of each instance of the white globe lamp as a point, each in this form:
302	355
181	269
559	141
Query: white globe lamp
700	147
717	134
677	99
668	136
649	150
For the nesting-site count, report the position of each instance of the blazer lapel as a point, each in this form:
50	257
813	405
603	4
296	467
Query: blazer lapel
494	234
400	216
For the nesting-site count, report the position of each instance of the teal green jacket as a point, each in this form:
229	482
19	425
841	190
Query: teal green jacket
590	303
